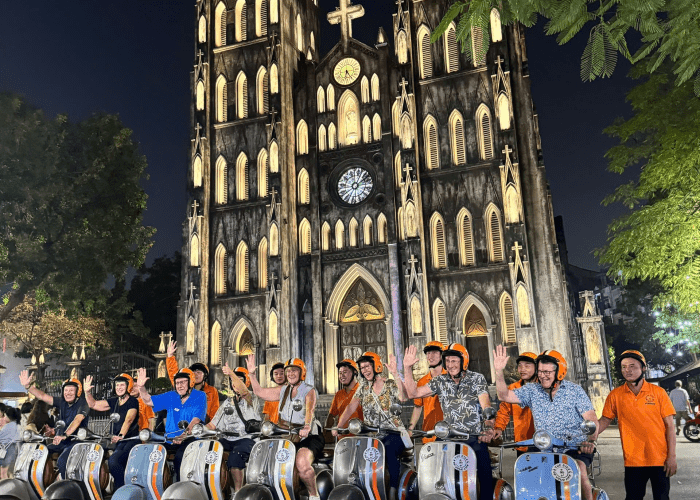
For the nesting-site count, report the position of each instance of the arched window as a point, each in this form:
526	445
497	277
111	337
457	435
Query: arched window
411	220
260	18
339	235
397	170
459	153
241	21
304	237
299	34
406	133
483	129
262	264
190	336
322	138
507	319
330	97
440	321
199	95
496	33
332	137
312	41
216	344
274	11
197	171
263	174
274	240
221	183
432	152
366	130
352	232
478	46
326	237
273	330
503	112
377	127
437	241
466	238
375	87
402	47
242	177
451	49
220	22
382	233
242	270
416	316
495	235
202	31
364	87
512	205
302	138
425	55
242	95
303	185
367	239
220	270
401	226
262	91
221	99
321	100
521	296
348	119
274	79
194	251
274	157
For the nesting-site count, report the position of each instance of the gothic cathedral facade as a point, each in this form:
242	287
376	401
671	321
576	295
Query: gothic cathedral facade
369	198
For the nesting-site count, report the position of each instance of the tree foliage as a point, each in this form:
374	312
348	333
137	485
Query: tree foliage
71	205
677	332
663	29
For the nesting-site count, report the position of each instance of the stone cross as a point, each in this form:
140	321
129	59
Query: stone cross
517	247
408	170
344	15
403	85
195	205
507	151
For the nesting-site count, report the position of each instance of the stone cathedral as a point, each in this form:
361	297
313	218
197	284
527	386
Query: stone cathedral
370	198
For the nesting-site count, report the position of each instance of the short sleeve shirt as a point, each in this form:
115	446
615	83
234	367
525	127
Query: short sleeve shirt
460	401
679	398
270	409
563	416
68	412
342	399
194	407
233	422
375	407
123	409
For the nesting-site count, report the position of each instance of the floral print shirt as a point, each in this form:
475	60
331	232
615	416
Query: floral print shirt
460	401
376	415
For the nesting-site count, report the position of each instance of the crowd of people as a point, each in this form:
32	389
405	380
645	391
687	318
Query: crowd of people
542	398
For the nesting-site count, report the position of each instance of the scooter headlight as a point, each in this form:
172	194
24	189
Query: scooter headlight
82	434
267	428
543	440
197	430
354	426
145	435
442	429
27	436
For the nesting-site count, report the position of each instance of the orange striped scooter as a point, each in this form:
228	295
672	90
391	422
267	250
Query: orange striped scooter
33	470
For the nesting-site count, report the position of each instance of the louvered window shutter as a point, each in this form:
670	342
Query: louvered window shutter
223	21
224	284
441	321
244	22
244	100
224	190
508	321
427	56
263	17
441	256
496	240
246	272
245	180
486	134
433	145
468	241
224	103
460	152
478	46
265	94
452	51
267	175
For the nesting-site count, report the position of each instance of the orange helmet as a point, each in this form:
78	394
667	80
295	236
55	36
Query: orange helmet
434	345
243	373
125	377
457	350
185	373
76	383
634	355
373	358
296	363
555	358
350	364
530	357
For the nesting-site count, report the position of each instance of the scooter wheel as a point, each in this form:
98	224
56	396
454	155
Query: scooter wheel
691	432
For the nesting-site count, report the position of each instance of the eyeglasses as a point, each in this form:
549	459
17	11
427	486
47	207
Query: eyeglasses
545	372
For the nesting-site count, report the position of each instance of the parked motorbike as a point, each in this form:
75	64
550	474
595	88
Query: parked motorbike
691	429
549	473
270	471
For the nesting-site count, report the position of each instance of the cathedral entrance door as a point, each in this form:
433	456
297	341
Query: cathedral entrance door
477	342
362	325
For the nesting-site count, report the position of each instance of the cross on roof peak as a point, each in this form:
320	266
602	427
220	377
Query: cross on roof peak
344	15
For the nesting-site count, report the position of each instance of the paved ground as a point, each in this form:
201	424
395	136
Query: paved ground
684	486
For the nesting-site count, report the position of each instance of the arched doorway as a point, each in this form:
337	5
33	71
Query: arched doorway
477	342
241	342
362	322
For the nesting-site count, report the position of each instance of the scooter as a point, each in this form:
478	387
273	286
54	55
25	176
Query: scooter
691	429
549	473
270	471
87	472
447	468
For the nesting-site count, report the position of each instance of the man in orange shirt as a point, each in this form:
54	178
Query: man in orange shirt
270	410
201	374
347	375
644	415
147	418
431	404
523	424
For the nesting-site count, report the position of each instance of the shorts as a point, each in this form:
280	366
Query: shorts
313	442
238	452
586	458
10	456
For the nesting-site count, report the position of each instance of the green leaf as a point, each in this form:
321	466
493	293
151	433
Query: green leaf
454	10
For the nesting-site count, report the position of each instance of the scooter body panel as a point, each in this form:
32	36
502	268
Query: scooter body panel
33	466
84	465
271	464
408	485
548	475
146	469
447	468
203	464
359	461
130	492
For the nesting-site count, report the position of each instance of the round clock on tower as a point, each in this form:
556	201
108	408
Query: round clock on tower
346	71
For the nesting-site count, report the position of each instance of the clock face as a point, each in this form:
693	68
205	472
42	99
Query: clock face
346	71
355	185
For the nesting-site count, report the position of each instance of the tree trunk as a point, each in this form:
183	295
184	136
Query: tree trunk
16	298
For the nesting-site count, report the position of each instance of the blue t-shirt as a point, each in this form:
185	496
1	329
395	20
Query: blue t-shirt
68	412
561	417
194	407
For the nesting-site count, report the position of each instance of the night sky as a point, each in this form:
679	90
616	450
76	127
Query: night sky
134	58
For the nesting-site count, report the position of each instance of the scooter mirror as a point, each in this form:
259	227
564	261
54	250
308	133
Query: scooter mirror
588	427
228	410
395	410
489	413
60	424
297	405
182	424
114	417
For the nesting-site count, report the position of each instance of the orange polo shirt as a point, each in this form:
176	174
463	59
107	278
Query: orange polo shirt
145	414
209	390
640	419
432	411
341	400
523	423
271	409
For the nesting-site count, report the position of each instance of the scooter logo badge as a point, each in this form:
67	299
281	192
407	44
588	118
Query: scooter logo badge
460	462
37	454
155	456
283	455
371	454
211	457
562	472
93	456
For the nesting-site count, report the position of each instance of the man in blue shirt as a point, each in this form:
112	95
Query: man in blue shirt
184	403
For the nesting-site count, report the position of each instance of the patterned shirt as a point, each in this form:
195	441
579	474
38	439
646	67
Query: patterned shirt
233	422
376	415
460	401
561	417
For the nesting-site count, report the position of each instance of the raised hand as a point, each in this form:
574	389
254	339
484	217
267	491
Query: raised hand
227	370
393	369
500	358
87	383
250	361
25	378
410	357
141	378
172	347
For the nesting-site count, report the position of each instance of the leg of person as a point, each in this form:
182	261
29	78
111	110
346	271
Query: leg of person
393	447
660	483
678	422
239	453
63	458
636	482
483	469
307	449
117	462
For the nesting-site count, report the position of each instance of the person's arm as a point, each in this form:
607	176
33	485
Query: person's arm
670	464
101	405
265	393
397	378
27	380
171	362
131	415
415	416
500	358
687	403
589	445
485	402
310	402
349	410
238	386
141	380
412	390
603	424
75	424
505	410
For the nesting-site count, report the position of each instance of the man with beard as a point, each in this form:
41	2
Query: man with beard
72	409
277	376
431	405
201	375
347	375
523	425
644	415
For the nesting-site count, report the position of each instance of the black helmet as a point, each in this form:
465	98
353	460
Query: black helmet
64	490
254	492
276	366
202	368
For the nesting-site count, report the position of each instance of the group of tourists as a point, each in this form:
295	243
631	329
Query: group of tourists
541	399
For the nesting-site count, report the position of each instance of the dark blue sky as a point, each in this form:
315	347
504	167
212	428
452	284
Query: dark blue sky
133	57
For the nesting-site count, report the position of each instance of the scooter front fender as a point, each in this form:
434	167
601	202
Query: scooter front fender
34	467
346	492
14	489
548	475
130	492
147	469
271	464
359	461
447	468
253	492
184	490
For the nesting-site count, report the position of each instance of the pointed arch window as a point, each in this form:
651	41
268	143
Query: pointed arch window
440	321
199	95
202	31
352	232
406	133
241	21
364	87
322	145
274	11
274	240
321	100
402	47
242	95
432	153
496	30
366	130
274	157
376	127
437	241
261	18
303	185
262	91
425	55
395	118
375	87
242	177
220	269
397	170
273	329
304	237
274	79
326	237
194	251
478	47
332	137
197	171
400	222
220	22
216	344
299	34
262	264
466	238
367	233
339	235
485	136
330	97
349	131
263	174
459	153
302	138
507	319
512	205
242	270
495	235
221	184
451	49
503	111
312	41
382	233
521	296
221	99
190	336
416	316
